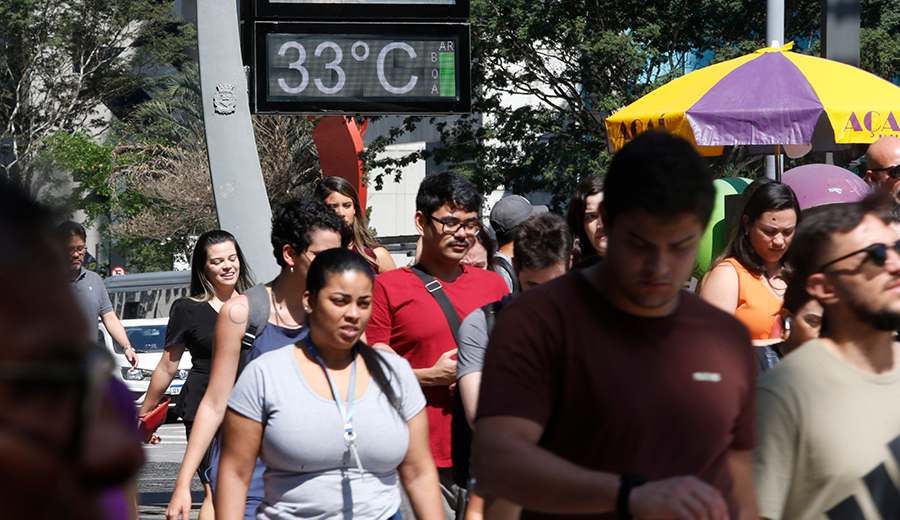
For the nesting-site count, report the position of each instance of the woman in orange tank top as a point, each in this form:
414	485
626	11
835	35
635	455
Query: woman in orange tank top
746	281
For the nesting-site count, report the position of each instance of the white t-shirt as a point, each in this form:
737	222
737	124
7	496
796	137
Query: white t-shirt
829	440
310	472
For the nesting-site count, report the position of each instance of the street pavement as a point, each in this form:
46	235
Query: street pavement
157	478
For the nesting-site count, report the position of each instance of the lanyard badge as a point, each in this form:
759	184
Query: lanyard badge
346	412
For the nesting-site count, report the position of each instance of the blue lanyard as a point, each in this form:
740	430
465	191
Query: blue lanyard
346	412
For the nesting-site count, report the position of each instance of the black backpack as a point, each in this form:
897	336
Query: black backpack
460	432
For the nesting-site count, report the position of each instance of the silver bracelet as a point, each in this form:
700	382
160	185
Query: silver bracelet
128	347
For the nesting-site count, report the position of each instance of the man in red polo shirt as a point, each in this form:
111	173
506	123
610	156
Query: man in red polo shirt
408	319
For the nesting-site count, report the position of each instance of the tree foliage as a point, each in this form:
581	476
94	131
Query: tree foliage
62	60
547	73
148	185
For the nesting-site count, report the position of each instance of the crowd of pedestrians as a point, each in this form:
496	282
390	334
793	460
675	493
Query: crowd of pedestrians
538	367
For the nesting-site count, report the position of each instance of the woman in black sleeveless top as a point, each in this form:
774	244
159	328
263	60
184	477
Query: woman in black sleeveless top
218	273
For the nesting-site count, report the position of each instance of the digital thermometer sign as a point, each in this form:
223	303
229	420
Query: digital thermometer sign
345	10
362	68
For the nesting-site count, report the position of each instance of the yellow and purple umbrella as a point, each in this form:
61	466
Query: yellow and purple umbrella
770	97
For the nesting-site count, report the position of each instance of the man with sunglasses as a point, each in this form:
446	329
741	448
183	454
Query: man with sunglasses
64	441
408	318
829	413
883	166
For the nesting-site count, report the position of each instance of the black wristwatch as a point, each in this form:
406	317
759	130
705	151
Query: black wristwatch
626	483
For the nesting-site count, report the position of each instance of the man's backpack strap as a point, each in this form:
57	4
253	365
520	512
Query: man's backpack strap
437	290
507	266
490	312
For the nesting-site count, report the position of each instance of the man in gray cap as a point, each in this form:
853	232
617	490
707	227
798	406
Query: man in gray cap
506	216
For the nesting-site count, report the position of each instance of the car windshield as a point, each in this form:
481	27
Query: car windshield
145	338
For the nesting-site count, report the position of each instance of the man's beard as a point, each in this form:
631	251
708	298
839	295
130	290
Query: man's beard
883	320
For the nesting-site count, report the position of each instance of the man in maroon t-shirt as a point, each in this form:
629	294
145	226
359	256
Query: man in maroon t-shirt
611	392
406	318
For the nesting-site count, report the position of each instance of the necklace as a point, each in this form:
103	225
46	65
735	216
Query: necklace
278	319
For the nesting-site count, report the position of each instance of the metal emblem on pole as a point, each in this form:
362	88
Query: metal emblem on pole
224	102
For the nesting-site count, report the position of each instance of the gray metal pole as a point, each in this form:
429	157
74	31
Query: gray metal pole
775	21
840	40
241	202
774	38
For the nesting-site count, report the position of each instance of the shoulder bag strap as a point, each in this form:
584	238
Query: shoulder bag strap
437	290
258	299
461	434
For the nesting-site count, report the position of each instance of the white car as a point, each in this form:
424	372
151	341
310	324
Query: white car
148	338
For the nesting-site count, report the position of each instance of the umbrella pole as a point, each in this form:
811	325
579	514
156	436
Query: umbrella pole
779	166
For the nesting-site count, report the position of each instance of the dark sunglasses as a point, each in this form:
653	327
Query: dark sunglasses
892	171
877	253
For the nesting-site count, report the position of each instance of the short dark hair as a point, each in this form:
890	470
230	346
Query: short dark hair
447	186
69	229
331	262
760	196
795	294
661	174
505	237
581	246
540	242
893	214
201	288
337	261
295	221
820	224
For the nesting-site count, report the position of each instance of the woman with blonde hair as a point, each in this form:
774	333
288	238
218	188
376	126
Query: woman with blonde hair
343	199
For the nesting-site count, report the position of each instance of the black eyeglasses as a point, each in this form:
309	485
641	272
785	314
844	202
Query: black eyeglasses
892	171
877	253
450	227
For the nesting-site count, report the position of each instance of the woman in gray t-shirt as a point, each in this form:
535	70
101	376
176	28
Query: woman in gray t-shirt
328	457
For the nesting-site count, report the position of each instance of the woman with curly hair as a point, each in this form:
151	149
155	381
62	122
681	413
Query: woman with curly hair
301	229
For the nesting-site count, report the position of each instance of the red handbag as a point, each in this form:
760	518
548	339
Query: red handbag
148	424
